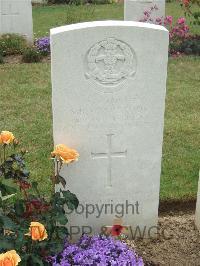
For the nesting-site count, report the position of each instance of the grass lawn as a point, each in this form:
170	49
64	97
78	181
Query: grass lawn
26	110
25	100
48	17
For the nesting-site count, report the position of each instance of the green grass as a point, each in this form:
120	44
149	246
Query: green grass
48	17
26	110
25	100
181	154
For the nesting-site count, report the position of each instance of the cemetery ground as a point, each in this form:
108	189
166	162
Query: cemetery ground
26	111
48	17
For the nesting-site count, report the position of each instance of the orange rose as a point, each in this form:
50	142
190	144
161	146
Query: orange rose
64	153
6	137
37	231
10	258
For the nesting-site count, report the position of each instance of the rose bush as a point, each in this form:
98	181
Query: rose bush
178	30
31	225
191	12
37	231
64	154
10	258
6	137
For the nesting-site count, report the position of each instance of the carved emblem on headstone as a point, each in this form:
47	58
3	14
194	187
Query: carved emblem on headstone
110	61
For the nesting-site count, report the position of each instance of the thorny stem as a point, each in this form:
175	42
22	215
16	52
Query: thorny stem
4	152
31	247
54	176
0	156
25	194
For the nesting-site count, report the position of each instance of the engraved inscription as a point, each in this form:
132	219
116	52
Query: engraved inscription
110	61
109	155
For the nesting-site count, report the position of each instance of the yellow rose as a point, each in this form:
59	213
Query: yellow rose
37	231
10	258
6	137
64	153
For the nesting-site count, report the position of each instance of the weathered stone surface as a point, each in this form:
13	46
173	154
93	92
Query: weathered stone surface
109	82
134	9
16	17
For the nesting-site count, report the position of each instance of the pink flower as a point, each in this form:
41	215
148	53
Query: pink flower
168	20
159	21
181	21
186	2
146	13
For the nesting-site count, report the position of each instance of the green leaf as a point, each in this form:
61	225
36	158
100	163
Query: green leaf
55	247
61	218
36	261
7	223
71	200
35	187
6	244
20	237
6	190
62	232
31	259
19	207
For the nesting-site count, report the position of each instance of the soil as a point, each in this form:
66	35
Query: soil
178	242
13	59
17	59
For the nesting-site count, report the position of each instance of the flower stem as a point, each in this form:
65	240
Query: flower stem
4	152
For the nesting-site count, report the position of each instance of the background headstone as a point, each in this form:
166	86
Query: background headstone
108	104
197	216
39	1
134	9
16	17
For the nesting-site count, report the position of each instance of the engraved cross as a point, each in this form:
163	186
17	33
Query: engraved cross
109	155
11	15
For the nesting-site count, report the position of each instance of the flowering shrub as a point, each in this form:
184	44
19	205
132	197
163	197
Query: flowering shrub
12	44
187	7
178	31
177	34
191	45
31	226
31	55
80	2
97	250
43	45
10	258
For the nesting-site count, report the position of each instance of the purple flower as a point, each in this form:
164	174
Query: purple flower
43	45
98	251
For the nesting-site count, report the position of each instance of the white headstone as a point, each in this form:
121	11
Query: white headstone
197	216
134	9
109	82
16	17
39	1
